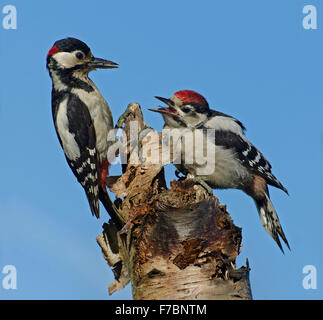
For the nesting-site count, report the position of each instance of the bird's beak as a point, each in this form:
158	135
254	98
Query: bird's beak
169	102
97	63
169	110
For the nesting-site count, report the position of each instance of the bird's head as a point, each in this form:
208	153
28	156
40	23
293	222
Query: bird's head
70	55
185	108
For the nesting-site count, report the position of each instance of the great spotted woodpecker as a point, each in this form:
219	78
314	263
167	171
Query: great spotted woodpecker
82	118
235	162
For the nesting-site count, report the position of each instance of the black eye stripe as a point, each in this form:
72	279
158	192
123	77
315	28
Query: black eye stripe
200	108
186	109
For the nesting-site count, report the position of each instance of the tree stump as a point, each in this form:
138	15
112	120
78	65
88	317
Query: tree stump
177	244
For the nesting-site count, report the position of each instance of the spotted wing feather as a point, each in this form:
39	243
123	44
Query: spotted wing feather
85	165
248	155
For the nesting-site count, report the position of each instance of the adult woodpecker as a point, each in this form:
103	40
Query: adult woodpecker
82	118
235	162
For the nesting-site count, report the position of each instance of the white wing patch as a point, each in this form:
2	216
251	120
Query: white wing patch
71	149
224	124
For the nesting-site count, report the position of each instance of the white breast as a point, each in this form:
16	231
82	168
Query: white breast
214	164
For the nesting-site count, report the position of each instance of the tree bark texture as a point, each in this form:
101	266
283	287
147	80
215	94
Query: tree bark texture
178	243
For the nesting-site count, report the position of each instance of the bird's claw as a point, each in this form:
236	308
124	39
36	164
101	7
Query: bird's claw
203	184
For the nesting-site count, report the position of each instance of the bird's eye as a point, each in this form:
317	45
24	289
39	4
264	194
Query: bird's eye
186	109
79	55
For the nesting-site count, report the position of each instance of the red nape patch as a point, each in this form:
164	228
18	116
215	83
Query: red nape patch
189	96
52	51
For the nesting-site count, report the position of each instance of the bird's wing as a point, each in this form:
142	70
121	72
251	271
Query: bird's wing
248	155
221	120
78	139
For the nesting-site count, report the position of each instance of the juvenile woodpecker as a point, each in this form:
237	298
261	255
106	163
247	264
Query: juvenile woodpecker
82	118
235	162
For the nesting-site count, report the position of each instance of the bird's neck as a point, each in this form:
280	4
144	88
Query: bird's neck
66	80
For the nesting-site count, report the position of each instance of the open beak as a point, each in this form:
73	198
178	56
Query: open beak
170	110
97	63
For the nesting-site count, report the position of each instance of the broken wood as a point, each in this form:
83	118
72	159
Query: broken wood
178	243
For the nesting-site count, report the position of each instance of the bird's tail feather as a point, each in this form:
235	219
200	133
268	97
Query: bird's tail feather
270	221
93	200
111	209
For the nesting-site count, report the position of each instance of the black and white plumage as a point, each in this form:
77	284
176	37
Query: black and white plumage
231	161
82	118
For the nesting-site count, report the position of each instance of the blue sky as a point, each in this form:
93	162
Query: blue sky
250	59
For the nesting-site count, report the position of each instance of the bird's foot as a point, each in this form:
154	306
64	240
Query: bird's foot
201	182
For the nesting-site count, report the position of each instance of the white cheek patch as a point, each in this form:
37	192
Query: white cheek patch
194	121
66	59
